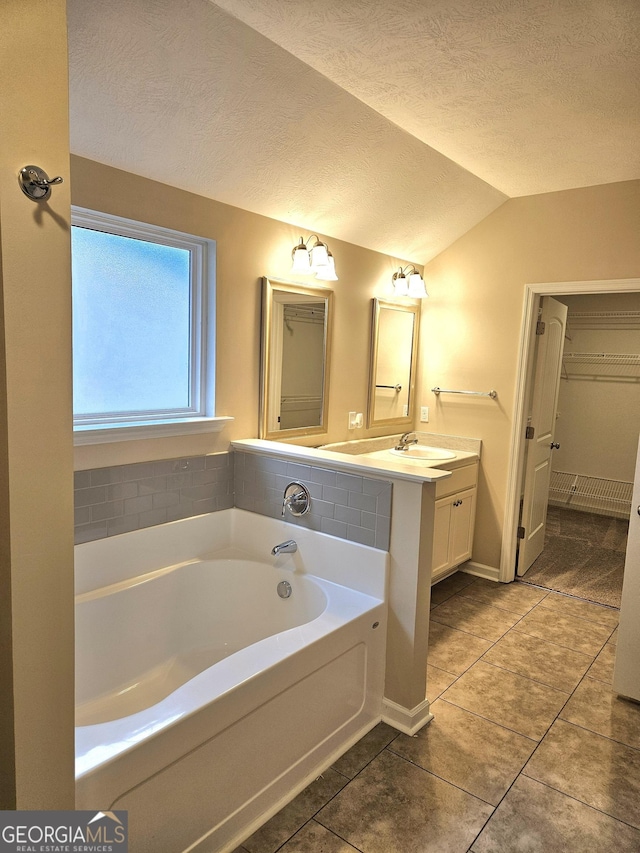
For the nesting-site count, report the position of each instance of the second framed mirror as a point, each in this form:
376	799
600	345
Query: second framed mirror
394	348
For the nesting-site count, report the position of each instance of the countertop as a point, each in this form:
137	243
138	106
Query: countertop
378	462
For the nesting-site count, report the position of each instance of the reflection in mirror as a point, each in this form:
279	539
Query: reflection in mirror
393	362
296	324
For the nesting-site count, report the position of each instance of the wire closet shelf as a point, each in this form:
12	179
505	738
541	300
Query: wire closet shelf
591	494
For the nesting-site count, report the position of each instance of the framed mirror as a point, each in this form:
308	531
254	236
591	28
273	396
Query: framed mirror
394	347
296	335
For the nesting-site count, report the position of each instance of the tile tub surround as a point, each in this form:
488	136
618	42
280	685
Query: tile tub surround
122	498
569	783
349	506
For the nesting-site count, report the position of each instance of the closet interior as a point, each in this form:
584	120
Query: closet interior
597	430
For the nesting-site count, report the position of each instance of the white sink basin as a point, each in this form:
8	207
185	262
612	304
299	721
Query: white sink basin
422	453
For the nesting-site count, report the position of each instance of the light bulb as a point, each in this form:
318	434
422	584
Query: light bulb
301	263
319	257
400	284
416	286
328	273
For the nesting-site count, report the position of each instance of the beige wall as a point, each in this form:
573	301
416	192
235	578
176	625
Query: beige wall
470	328
36	500
248	247
471	324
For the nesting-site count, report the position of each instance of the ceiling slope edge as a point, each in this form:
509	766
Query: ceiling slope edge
194	98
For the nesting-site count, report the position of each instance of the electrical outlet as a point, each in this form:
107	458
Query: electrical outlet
352	420
424	414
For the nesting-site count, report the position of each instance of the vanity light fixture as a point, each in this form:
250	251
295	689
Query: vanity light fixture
316	259
408	282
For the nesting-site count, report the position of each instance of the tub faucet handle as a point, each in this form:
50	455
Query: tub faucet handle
296	499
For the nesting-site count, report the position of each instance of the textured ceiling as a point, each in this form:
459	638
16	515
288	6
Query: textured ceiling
392	128
530	95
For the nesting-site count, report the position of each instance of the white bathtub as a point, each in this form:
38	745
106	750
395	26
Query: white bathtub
204	700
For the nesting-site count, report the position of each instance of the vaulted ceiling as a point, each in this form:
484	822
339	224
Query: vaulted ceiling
395	126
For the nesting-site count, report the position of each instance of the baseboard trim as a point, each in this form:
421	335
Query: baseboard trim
491	573
407	721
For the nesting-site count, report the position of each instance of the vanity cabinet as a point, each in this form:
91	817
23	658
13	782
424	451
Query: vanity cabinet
454	520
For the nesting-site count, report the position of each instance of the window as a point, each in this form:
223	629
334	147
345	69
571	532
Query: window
142	328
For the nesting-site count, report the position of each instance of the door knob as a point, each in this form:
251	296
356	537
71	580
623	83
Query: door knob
554	445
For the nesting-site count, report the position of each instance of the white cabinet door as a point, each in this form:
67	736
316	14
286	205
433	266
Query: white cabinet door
441	524
453	525
463	513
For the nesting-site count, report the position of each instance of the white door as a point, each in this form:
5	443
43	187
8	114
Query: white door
548	365
626	675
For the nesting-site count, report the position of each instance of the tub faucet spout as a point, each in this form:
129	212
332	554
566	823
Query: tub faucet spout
288	547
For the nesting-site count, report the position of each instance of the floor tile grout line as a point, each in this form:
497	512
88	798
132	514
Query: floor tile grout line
508	728
535	749
528	677
489	639
493	643
577	800
520	616
317	812
592	731
337	834
572	616
540	741
332	797
551	643
537	743
441	778
490	818
497	606
333	832
349	781
486	719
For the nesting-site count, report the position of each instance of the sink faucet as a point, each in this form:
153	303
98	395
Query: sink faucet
288	547
404	441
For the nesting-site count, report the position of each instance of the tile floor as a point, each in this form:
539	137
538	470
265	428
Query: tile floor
529	749
583	555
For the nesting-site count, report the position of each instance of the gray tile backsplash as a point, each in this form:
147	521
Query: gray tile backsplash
343	505
123	498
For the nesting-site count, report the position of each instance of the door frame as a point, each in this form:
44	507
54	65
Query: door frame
523	389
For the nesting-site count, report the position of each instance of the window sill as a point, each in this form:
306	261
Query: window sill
135	431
